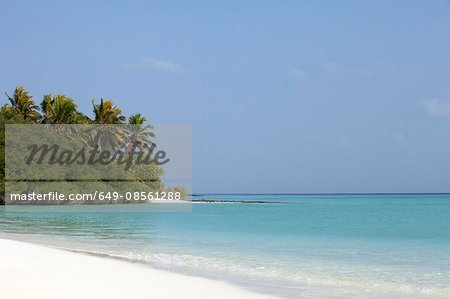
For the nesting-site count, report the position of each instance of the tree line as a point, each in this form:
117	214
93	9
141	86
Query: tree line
60	109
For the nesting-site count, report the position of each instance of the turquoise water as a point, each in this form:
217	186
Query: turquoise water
386	243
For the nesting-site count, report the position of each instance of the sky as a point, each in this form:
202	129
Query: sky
283	96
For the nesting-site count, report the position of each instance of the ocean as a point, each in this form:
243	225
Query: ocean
294	245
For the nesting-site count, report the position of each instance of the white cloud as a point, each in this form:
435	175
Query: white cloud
154	64
437	107
298	74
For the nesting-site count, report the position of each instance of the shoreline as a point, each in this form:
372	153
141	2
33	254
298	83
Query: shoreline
55	272
32	270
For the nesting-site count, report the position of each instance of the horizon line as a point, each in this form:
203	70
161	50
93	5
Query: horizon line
332	193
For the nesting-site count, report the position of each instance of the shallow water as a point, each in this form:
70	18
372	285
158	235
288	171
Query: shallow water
388	243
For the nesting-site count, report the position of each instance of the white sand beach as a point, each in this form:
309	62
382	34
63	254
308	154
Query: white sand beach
34	271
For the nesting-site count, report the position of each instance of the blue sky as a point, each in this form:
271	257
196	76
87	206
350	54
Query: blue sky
283	96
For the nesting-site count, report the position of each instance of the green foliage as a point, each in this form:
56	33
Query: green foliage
136	119
7	113
22	104
107	113
181	190
11	119
139	134
60	109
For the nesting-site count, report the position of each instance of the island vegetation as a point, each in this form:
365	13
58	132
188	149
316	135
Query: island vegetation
59	109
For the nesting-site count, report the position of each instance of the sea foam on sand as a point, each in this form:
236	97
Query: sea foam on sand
34	271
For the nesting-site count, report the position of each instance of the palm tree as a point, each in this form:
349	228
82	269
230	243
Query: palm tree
58	110
22	104
138	133
6	112
107	113
136	119
105	135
